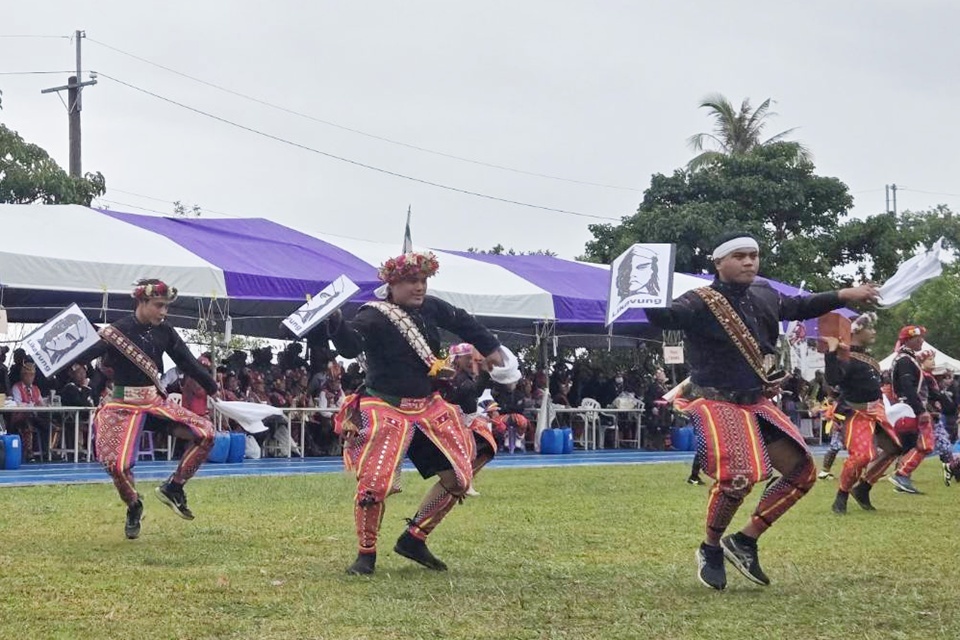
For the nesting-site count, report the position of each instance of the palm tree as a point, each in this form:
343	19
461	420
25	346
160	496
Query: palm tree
736	132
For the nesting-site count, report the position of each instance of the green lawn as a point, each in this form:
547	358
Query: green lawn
589	552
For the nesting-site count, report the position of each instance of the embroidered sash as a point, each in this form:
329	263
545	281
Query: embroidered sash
408	329
134	354
862	357
737	331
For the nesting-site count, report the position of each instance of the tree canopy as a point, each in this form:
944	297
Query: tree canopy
29	175
769	191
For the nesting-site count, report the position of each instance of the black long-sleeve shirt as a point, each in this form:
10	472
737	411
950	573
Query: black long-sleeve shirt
714	360
154	341
859	382
907	381
393	367
463	392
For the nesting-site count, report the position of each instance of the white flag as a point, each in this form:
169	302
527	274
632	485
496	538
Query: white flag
914	272
334	296
61	340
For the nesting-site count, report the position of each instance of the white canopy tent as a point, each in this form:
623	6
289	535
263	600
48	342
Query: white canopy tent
943	360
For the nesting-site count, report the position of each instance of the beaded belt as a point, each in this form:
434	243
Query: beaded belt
132	394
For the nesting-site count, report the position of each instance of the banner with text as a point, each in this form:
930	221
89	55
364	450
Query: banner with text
641	278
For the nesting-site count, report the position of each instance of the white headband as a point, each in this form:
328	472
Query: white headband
730	246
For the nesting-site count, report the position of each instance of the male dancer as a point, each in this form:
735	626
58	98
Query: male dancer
731	329
865	427
463	392
398	412
133	348
910	386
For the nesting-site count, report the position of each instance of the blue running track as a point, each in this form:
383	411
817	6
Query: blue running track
85	472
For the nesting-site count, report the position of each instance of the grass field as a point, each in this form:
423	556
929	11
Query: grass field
586	552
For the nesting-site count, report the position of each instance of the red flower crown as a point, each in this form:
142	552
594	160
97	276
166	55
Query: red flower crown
409	265
155	290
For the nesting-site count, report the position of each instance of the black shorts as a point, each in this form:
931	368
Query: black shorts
425	456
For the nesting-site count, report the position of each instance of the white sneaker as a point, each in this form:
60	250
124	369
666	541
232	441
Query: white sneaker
471	491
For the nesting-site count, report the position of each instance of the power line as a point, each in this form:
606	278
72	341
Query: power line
358	131
348	160
930	193
32	73
17	35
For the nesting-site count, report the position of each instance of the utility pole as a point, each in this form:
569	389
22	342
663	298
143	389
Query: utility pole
891	193
74	104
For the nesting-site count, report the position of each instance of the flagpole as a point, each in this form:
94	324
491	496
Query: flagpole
407	240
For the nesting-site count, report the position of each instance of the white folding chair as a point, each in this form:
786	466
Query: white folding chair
591	421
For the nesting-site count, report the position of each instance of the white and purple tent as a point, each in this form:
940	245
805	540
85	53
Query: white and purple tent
258	271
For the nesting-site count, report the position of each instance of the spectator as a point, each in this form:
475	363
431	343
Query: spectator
4	373
26	394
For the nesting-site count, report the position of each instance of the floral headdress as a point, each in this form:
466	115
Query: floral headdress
409	265
151	289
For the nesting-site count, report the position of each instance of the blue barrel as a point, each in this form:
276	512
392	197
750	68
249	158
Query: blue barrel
551	441
567	440
10	451
684	439
956	446
238	446
221	447
675	438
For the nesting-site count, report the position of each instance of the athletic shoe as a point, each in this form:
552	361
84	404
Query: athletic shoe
364	565
861	493
741	551
947	474
174	497
903	484
134	514
416	550
710	569
825	475
694	480
840	504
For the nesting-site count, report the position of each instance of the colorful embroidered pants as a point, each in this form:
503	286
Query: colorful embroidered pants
375	451
925	440
861	431
118	425
732	445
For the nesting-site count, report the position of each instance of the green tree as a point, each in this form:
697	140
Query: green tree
769	191
29	175
736	132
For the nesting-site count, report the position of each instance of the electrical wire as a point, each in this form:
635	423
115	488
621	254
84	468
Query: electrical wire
348	160
358	131
33	73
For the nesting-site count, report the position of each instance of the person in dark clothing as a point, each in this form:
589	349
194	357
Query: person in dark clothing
910	385
398	411
731	328
133	349
868	433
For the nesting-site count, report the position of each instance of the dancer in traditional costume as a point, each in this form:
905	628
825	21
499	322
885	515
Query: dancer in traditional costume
463	392
133	348
731	329
867	434
399	412
911	387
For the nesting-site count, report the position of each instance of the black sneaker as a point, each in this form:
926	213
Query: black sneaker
903	484
694	480
741	551
861	493
364	565
174	497
947	474
840	504
134	515
416	550
710	568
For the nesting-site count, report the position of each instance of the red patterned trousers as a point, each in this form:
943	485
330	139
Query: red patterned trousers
860	431
733	447
117	426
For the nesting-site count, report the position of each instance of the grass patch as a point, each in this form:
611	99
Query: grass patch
584	552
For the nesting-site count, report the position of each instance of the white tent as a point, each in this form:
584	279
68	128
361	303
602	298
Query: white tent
943	360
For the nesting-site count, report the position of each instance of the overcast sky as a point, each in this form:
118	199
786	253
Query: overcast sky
601	91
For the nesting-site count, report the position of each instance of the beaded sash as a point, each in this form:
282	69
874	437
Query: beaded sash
133	353
737	331
408	329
